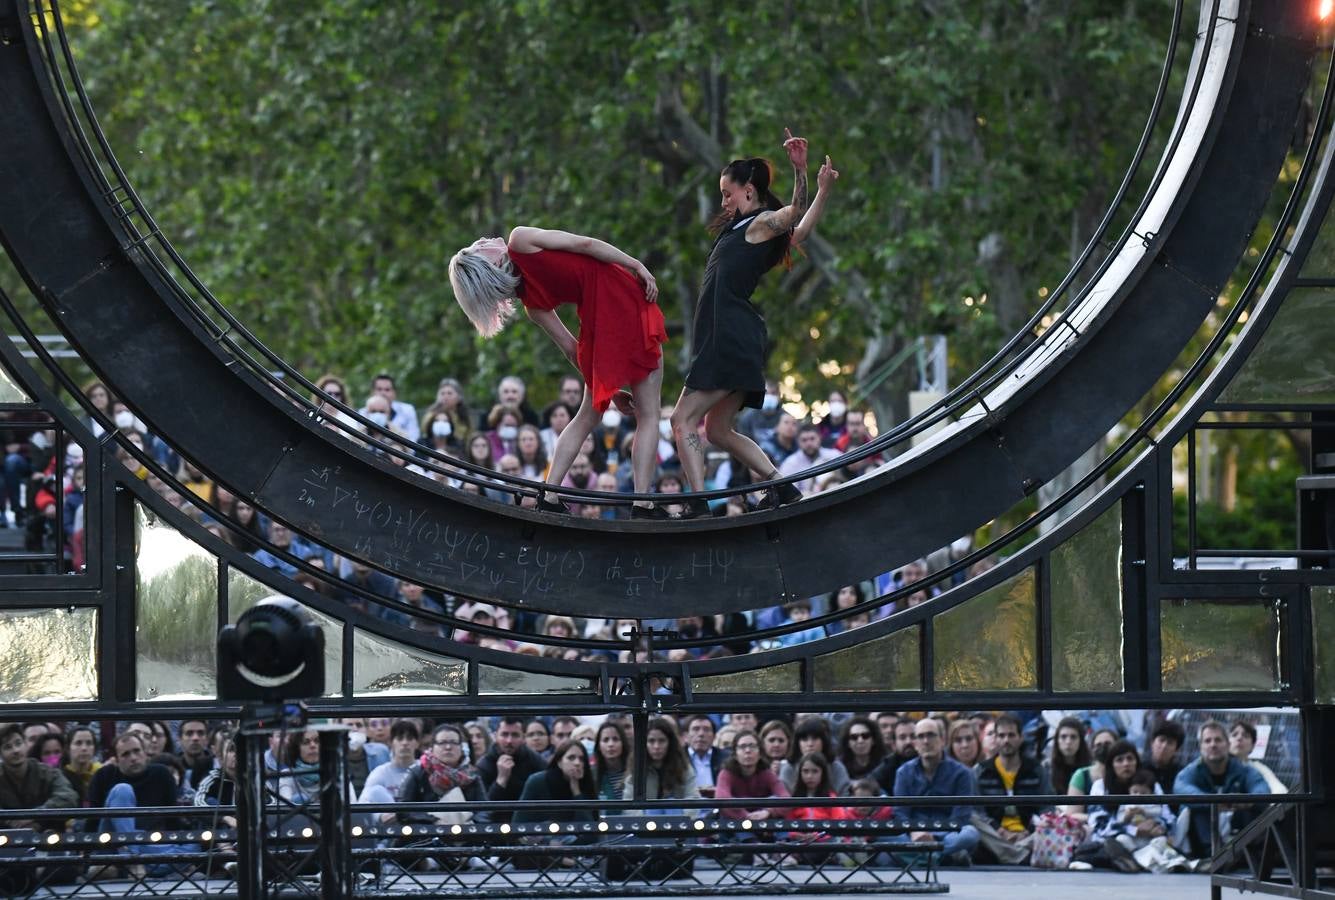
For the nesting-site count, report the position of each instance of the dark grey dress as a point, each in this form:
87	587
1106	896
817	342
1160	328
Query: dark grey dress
730	341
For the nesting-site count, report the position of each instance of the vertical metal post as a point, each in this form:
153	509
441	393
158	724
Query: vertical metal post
335	859
250	839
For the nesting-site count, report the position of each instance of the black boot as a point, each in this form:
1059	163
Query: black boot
696	508
782	495
552	506
655	512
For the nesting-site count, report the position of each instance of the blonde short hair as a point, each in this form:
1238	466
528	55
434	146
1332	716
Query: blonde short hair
484	291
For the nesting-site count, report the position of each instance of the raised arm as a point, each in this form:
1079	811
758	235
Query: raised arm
525	239
825	180
780	220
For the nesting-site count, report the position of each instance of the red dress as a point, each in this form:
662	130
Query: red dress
619	331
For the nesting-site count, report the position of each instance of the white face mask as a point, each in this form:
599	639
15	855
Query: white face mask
378	418
124	419
611	419
38	440
507	432
665	429
442	428
837	410
771	401
356	740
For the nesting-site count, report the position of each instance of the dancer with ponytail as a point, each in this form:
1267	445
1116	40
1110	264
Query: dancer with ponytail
754	232
620	335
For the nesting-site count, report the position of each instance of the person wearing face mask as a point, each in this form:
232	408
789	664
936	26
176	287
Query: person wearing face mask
503	430
27	783
834	424
621	329
759	424
377	411
449	409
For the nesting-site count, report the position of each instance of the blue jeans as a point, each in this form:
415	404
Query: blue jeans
122	797
17	470
964	840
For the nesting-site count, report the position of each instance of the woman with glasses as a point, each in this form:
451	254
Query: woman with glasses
442	774
860	747
747	774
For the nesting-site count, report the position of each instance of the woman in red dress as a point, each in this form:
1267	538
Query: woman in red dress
621	330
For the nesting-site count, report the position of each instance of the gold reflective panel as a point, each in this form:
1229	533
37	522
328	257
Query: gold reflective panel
243	592
1087	632
1218	645
989	643
495	680
48	655
381	667
1294	361
1323	642
10	392
888	663
783	678
176	613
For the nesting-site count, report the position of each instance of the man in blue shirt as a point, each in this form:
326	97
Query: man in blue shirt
933	774
1216	772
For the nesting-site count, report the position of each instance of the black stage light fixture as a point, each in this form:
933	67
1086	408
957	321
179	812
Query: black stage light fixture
274	652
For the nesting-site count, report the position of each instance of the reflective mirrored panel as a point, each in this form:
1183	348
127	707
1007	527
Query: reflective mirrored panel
1087	607
48	655
1320	262
783	678
1323	642
176	613
495	680
243	592
10	392
989	643
888	663
1219	645
381	667
1294	361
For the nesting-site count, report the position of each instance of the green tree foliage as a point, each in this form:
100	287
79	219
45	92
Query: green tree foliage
317	163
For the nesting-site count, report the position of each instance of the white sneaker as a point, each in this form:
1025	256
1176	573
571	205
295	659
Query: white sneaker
1076	865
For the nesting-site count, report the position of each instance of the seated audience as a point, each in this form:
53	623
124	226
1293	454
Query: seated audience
747	775
812	735
442	774
27	783
81	762
933	774
1165	743
860	747
1215	772
668	774
567	777
1241	743
609	760
1068	754
1006	830
508	765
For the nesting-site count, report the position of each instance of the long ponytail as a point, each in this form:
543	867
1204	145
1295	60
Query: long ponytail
758	172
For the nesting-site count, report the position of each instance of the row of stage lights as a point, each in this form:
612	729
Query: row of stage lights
647	826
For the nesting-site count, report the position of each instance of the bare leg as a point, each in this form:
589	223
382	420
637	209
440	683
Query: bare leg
648	394
568	444
719	429
686	417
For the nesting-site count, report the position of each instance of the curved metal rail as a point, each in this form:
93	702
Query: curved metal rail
121	309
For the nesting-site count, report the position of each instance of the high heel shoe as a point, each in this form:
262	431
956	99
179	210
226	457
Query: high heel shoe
782	495
655	512
552	506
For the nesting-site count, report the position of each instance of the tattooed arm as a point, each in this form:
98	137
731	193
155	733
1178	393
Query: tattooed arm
776	222
825	180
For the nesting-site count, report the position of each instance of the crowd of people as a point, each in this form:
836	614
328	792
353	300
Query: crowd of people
884	764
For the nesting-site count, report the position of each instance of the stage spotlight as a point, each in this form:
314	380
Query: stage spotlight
274	652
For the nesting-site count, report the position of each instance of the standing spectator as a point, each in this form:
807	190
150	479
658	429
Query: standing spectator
538	738
511	391
508	764
855	435
81	762
195	755
1069	753
1215	772
860	747
933	774
965	748
812	735
402	415
1165	743
609	760
706	759
782	440
1005	830
810	453
447	423
26	783
1241	743
668	774
747	775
